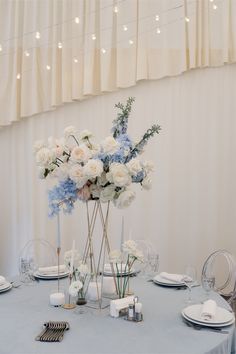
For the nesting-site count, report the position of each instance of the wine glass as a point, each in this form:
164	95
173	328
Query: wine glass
191	277
208	283
152	265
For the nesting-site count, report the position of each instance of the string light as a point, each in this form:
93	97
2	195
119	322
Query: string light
94	37
187	19
157	18
75	60
103	50
125	28
27	54
158	31
116	9
59	45
215	7
48	67
77	20
0	47
18	76
131	41
37	35
211	0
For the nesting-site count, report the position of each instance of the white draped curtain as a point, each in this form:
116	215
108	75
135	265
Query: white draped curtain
53	52
191	208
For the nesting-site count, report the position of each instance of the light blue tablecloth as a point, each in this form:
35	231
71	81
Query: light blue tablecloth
24	310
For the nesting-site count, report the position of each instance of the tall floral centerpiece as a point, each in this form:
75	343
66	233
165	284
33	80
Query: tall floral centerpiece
104	172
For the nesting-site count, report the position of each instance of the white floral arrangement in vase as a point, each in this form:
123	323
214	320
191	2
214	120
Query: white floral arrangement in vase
85	170
122	264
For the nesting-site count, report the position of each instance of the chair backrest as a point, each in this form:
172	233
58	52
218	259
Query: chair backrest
227	286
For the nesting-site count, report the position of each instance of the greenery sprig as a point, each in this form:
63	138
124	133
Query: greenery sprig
120	124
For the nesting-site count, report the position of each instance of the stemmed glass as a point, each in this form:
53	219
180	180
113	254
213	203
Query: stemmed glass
191	273
208	283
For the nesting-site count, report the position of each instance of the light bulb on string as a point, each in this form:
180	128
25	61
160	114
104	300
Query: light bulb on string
0	48
103	50
59	45
125	28
116	9
18	76
158	31
27	54
187	19
37	35
215	7
94	37
131	42
48	67
157	18
75	60
77	20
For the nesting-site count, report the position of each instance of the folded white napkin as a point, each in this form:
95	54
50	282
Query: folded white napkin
208	310
2	280
178	278
52	270
121	267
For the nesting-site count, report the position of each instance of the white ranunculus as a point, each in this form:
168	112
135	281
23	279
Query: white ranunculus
115	256
125	199
134	166
148	166
119	175
68	258
44	157
147	183
85	134
93	168
110	145
77	175
68	131
38	145
107	193
75	287
80	153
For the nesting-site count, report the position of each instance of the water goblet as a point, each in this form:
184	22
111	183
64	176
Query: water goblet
208	283
191	276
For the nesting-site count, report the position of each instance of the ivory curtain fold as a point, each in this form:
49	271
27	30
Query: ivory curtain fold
114	45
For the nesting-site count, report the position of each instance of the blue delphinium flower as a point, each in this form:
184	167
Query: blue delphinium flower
65	193
139	177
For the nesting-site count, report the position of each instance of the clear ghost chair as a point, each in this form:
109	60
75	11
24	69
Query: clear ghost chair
218	273
36	253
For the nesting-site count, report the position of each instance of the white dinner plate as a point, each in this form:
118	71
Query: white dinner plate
50	276
159	280
110	274
207	324
7	286
222	317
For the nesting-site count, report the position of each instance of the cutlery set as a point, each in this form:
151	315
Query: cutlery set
198	327
53	331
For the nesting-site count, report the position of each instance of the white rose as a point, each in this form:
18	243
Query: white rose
119	175
134	166
38	145
85	134
68	131
110	145
107	193
125	199
93	168
77	175
44	157
75	287
147	183
148	166
80	153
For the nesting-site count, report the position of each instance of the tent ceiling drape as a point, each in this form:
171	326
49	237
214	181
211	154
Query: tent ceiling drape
52	52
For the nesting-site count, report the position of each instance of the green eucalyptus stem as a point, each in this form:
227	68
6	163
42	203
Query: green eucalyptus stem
75	139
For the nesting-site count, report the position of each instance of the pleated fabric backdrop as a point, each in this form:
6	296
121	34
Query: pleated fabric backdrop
191	208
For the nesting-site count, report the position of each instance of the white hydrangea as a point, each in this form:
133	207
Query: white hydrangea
80	153
147	183
44	157
110	145
115	256
77	175
119	175
93	168
70	130
107	193
75	287
125	199
148	166
134	166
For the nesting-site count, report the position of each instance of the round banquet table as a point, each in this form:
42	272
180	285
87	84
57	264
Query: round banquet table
23	311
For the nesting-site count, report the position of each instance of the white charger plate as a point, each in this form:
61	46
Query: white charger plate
222	317
159	280
5	287
50	276
207	324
